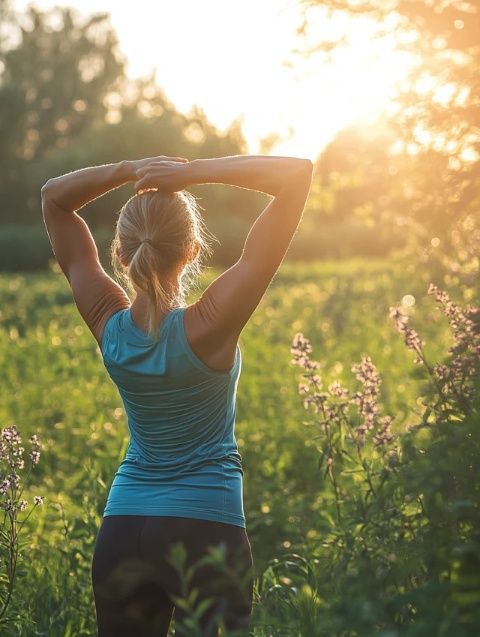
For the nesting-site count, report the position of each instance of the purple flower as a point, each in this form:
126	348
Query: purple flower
14	479
336	389
4	486
300	349
442	371
7	506
412	339
10	434
384	435
34	440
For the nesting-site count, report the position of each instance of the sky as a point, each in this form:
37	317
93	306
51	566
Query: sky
236	60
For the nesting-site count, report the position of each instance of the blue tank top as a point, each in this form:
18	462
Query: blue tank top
182	457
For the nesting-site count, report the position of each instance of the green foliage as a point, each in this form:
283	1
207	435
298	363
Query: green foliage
396	544
313	577
27	248
53	87
13	545
24	248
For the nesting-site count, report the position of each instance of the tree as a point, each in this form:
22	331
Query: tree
52	87
438	127
65	102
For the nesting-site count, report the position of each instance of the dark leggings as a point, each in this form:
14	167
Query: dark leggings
134	583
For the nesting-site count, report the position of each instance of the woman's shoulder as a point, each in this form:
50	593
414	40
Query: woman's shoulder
215	348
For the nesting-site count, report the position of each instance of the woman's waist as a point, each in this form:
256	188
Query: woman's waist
220	500
213	489
208	470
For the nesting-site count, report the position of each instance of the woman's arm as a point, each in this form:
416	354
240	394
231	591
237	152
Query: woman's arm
224	308
254	172
74	190
96	295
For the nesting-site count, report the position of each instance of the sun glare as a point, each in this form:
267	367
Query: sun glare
355	85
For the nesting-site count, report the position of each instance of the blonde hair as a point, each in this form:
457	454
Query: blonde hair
155	233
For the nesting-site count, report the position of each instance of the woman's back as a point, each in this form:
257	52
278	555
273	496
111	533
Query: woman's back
182	457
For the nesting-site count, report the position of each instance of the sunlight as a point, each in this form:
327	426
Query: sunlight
352	84
238	64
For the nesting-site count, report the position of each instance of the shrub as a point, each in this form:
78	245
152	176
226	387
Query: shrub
397	548
11	502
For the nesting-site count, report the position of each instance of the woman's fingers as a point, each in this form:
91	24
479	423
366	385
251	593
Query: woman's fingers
140	184
161	171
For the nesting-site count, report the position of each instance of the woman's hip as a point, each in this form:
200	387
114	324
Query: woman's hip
147	544
137	552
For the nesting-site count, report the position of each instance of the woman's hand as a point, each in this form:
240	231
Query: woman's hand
140	163
167	174
130	166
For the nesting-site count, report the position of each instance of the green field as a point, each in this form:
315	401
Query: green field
54	384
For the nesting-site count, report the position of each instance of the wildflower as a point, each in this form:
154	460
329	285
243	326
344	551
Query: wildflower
317	400
309	400
361	430
357	398
8	505
337	390
34	440
463	322
367	374
35	453
316	380
19	463
38	499
300	347
10	434
14	479
11	460
397	315
330	414
384	435
441	371
412	339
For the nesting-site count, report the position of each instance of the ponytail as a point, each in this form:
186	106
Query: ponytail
155	236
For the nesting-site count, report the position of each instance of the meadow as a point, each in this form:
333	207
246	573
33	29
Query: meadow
54	384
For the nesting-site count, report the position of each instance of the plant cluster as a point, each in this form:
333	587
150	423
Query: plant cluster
12	463
399	514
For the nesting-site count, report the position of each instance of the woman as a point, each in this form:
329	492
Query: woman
176	367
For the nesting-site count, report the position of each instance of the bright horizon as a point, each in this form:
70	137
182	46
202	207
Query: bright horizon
236	64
